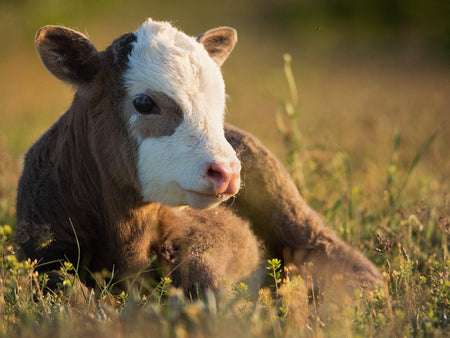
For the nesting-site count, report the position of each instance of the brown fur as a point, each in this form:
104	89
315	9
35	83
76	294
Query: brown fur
54	43
219	42
200	249
160	125
286	224
79	185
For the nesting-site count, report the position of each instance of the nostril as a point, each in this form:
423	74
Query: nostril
225	178
217	174
214	174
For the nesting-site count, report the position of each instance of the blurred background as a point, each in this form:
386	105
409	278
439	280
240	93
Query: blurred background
364	70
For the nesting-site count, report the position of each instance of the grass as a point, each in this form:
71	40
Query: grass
403	226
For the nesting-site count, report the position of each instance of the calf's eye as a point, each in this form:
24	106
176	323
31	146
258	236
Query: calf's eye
144	104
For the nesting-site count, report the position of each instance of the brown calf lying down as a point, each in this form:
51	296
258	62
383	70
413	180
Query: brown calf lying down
142	164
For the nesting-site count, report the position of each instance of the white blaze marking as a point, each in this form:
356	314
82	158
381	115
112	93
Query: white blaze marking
172	168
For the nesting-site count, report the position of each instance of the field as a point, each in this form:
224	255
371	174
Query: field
362	123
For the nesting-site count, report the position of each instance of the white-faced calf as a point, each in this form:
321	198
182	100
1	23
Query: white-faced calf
142	164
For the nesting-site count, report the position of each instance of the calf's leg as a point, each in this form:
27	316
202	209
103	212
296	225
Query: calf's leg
200	250
287	226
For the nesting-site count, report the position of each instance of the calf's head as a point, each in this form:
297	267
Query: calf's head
164	92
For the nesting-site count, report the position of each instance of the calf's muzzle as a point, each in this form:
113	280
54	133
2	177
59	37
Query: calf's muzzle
224	177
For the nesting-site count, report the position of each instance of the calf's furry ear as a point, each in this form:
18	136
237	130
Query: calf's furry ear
219	43
67	54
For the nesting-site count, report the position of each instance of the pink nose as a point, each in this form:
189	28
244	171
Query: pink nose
226	178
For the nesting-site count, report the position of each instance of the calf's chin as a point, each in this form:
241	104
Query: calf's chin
199	201
175	196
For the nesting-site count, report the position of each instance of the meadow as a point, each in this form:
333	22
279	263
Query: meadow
357	110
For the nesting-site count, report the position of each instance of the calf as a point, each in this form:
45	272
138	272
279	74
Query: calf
142	164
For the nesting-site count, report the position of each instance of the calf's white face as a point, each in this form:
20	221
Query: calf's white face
175	108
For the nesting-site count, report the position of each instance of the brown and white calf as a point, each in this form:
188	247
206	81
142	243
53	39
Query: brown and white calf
142	162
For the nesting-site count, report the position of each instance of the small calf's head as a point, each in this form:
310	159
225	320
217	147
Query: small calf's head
155	102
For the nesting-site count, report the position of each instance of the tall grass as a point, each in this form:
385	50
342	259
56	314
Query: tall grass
400	225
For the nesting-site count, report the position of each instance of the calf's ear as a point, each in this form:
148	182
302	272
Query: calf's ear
219	43
67	54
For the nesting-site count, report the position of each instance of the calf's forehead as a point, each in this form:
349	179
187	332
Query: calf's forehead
166	60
